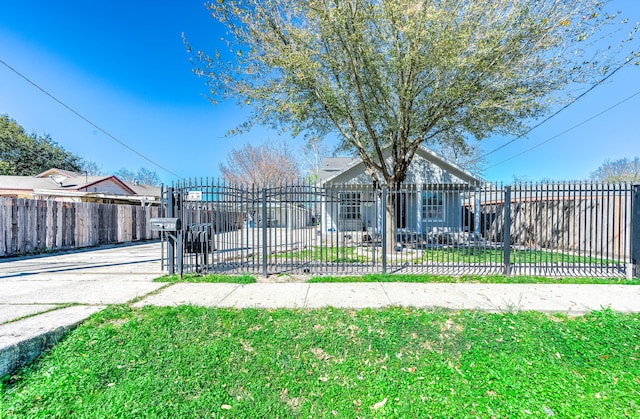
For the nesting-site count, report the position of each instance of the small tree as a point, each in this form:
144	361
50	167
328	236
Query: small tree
621	170
263	166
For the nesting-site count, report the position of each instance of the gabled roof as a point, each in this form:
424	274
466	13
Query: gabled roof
333	165
53	180
356	165
54	171
96	180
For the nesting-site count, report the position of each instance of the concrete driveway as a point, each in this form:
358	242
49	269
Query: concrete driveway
43	297
94	277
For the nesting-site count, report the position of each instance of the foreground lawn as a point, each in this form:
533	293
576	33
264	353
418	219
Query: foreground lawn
190	362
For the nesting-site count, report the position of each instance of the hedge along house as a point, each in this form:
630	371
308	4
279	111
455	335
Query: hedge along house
430	200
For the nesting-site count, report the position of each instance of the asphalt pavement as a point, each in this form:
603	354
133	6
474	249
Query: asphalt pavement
43	297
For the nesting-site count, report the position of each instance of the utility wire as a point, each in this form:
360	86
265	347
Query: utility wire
567	130
598	83
122	143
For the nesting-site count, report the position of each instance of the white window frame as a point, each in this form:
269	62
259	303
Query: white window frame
350	206
433	211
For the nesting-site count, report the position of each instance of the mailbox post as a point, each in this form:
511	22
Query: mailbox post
171	226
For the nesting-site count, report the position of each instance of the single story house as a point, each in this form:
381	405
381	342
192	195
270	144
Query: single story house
431	199
61	185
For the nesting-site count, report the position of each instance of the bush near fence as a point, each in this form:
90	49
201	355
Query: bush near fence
36	226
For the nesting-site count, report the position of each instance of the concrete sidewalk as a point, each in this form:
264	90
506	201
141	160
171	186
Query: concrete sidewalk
44	297
568	299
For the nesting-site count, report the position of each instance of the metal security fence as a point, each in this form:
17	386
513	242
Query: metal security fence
455	229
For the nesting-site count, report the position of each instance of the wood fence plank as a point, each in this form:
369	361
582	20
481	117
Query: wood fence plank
3	233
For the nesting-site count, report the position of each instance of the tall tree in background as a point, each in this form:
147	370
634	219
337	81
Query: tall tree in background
263	166
402	73
23	154
622	170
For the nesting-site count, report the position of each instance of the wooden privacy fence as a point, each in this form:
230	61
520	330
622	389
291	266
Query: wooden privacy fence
33	226
593	220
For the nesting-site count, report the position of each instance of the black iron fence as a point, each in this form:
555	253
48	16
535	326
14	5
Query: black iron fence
544	229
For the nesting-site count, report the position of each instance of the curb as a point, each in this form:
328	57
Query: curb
24	340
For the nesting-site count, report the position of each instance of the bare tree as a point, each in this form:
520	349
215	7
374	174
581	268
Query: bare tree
468	156
143	175
91	168
312	153
621	170
263	166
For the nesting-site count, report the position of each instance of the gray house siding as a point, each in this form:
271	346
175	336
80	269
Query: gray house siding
415	211
427	205
426	169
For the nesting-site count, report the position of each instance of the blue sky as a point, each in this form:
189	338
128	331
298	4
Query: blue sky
122	65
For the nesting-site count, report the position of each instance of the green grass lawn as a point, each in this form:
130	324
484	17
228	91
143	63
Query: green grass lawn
212	278
345	254
418	278
189	362
487	255
460	255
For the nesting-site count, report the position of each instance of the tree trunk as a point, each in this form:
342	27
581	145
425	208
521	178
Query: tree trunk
390	215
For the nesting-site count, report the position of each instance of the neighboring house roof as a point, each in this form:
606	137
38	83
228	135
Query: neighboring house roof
55	182
332	166
426	167
140	189
54	171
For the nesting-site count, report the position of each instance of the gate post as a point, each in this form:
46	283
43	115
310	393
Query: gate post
264	232
635	230
506	231
170	239
384	229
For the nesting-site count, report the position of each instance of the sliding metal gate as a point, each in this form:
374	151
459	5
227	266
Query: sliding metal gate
550	229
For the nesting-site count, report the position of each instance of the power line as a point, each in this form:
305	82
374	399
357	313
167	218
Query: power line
122	143
557	112
567	130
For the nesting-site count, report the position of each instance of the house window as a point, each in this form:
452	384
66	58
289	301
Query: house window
432	206
350	206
